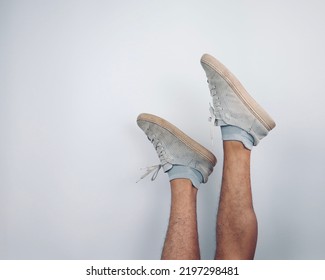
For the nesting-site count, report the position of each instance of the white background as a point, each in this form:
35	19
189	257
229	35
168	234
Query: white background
74	75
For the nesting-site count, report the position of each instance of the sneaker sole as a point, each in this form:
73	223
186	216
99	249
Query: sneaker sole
188	141
240	91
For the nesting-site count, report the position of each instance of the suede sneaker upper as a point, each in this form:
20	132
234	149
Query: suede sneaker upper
174	147
232	105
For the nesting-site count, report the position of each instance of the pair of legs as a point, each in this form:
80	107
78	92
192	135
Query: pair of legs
236	220
243	124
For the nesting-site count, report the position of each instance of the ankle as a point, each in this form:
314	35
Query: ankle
234	145
235	148
182	186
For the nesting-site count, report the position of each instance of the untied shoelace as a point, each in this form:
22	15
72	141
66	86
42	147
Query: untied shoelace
150	169
161	154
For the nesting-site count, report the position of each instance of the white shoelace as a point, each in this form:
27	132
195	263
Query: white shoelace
150	169
212	120
162	156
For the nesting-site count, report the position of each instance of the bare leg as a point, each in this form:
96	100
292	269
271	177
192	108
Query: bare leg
182	236
174	149
236	220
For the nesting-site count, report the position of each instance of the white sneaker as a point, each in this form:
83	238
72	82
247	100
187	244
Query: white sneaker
232	105
174	147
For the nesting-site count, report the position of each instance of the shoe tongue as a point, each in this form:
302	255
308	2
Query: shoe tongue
167	166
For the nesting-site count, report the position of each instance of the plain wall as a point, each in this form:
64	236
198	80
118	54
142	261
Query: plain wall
74	75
